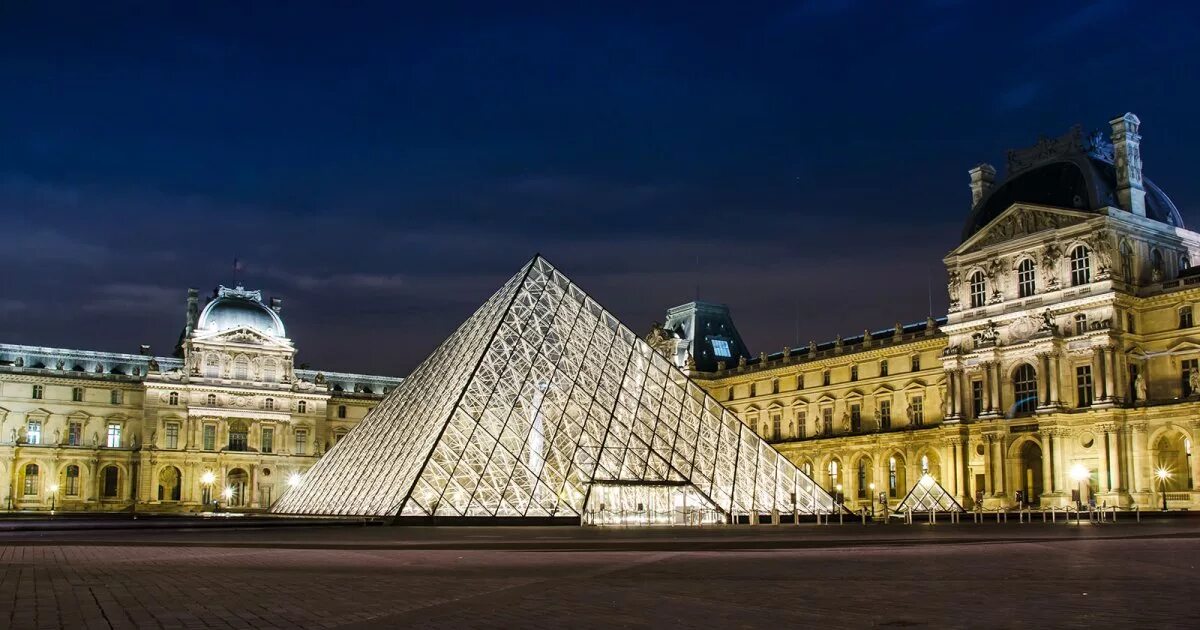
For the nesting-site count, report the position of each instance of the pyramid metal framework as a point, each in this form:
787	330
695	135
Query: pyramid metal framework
543	404
929	494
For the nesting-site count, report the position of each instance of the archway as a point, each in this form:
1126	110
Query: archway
897	477
169	484
863	478
236	483
110	479
1172	454
1031	482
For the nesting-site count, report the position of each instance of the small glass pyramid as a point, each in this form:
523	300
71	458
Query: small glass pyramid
929	494
543	404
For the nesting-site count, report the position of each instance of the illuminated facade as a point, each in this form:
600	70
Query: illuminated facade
1070	345
543	405
227	418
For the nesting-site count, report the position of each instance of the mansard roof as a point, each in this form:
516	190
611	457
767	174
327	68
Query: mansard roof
1065	172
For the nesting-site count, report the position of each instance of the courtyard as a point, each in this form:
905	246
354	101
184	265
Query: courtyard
260	575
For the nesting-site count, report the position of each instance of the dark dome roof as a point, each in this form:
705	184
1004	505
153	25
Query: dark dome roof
1081	181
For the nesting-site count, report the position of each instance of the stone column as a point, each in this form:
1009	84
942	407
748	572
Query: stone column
997	391
987	388
1047	467
1114	375
1195	456
1141	456
1053	375
1114	453
949	458
950	391
1103	473
989	488
998	475
1043	383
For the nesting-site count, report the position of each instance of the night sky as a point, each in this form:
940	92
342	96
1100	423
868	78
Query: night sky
384	169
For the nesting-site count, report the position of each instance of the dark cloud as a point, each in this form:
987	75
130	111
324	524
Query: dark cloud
384	168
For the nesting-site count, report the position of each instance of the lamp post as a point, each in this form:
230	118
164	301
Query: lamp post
54	494
228	494
1163	475
1078	473
207	479
872	497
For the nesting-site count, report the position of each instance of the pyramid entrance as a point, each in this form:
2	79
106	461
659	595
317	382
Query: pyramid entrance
543	405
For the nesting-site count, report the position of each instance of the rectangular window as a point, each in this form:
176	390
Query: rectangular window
1083	385
883	367
721	348
825	377
301	442
210	437
301	407
114	435
916	363
1129	324
75	434
268	440
885	415
853	372
38	392
802	425
1188	366
1185	317
827	421
172	435
72	481
976	398
76	394
341	412
33	432
115	397
238	440
917	410
856	418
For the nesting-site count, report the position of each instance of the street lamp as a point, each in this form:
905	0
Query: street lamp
1078	473
294	480
1163	475
206	479
54	493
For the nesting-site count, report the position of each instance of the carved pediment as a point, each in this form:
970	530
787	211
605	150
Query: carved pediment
1019	221
242	336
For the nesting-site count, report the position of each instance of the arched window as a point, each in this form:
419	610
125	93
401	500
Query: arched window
978	290
1081	270
31	485
1185	263
241	368
72	489
1156	266
1080	323
173	398
1025	284
1025	389
268	371
302	406
111	477
892	476
862	479
807	468
212	400
924	464
1127	262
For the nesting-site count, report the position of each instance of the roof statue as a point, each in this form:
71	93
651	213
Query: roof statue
542	404
927	495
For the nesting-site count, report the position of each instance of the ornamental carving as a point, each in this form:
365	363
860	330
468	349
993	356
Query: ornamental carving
1021	222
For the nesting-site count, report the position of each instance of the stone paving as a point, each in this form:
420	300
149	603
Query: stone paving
1002	576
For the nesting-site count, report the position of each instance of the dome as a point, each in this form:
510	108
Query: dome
237	308
1081	179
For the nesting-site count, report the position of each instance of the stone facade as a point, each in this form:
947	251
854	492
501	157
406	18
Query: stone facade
1069	359
227	419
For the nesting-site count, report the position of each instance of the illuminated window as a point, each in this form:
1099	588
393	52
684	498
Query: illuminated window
834	476
1081	271
33	432
75	434
31	480
892	477
978	290
114	435
924	464
1025	284
721	348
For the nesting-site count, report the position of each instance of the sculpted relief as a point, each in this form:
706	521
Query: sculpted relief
1021	222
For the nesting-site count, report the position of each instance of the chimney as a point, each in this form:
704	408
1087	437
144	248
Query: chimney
983	177
193	309
144	350
277	304
1127	154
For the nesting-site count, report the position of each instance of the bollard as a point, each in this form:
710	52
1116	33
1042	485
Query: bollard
1114	514
1137	509
841	515
863	512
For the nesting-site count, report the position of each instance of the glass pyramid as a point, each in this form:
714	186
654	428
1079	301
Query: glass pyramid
929	494
543	404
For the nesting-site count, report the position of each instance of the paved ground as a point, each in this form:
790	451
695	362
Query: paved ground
850	576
